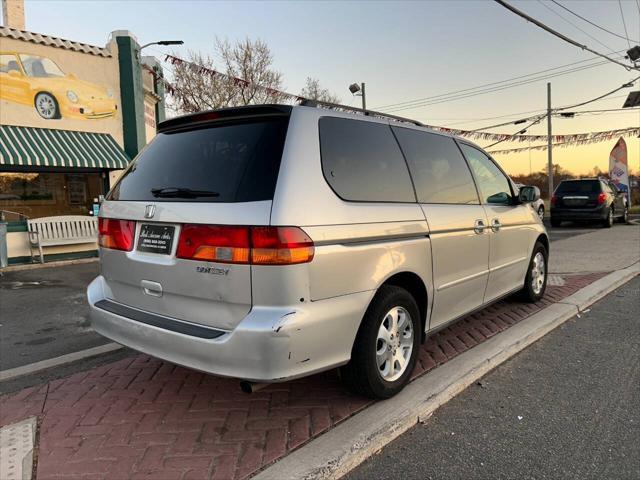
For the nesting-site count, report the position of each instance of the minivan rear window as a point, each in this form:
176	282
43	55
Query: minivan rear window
227	162
579	186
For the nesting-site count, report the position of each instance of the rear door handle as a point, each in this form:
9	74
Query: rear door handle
495	225
479	226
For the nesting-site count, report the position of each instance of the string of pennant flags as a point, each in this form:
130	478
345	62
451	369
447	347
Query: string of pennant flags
557	140
608	135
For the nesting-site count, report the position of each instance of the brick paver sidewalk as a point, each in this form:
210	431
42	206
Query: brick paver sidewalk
144	418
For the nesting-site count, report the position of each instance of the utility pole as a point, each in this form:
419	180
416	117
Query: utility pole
549	142
364	101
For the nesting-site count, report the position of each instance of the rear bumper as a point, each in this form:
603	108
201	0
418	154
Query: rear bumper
270	344
598	213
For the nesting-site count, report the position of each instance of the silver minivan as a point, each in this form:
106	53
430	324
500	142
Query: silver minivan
271	242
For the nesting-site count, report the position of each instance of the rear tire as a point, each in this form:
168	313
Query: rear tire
625	216
541	212
608	222
535	282
365	374
555	222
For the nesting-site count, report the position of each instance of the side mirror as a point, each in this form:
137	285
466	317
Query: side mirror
15	73
529	194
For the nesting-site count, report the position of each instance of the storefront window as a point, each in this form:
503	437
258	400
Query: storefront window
35	194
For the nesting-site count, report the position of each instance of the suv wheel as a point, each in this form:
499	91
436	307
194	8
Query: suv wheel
608	222
387	344
555	222
535	282
625	216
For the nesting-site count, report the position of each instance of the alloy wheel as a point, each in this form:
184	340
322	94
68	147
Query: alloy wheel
394	344
538	273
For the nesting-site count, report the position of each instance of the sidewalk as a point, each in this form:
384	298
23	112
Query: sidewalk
144	418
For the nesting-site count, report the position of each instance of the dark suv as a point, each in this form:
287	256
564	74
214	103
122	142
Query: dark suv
588	199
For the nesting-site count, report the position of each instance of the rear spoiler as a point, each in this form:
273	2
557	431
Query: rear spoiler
200	118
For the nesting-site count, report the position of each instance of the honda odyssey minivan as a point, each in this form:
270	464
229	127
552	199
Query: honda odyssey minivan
271	242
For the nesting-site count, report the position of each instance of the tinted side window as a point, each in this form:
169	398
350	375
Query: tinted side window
493	184
362	161
439	170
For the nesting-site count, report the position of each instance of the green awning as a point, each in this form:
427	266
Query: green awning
46	147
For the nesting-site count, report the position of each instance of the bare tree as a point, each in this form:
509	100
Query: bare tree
313	91
248	78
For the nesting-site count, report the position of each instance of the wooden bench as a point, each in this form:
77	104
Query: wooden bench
62	230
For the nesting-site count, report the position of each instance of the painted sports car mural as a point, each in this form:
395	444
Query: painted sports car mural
37	81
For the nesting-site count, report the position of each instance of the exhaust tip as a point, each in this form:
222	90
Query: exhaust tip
250	387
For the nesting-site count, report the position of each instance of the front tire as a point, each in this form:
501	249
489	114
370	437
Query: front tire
535	282
386	347
47	106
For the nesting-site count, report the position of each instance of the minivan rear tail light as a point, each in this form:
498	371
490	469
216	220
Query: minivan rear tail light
554	200
238	244
602	198
116	234
280	246
214	243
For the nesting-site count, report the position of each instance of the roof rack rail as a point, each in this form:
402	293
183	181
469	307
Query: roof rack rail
373	113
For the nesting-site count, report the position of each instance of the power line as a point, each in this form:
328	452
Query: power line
624	24
575	26
416	100
595	24
537	120
560	35
559	109
450	97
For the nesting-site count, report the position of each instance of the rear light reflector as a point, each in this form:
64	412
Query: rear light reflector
214	243
602	198
238	244
116	234
554	200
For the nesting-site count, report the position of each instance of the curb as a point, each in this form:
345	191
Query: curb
59	263
57	361
343	448
16	449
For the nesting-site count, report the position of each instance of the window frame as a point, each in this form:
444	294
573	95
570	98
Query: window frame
514	197
464	159
404	159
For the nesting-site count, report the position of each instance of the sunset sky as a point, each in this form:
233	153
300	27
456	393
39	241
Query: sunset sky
403	51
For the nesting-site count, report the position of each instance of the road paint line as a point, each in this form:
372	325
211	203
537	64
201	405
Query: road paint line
57	361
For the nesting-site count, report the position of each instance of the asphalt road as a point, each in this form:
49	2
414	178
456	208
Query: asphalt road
567	407
44	314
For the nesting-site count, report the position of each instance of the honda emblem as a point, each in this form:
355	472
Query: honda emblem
149	211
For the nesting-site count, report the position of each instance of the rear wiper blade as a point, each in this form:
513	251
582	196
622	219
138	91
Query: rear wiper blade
179	192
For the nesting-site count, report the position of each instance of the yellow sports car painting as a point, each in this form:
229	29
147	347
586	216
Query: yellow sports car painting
37	81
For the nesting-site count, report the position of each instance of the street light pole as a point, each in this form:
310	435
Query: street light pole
549	142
